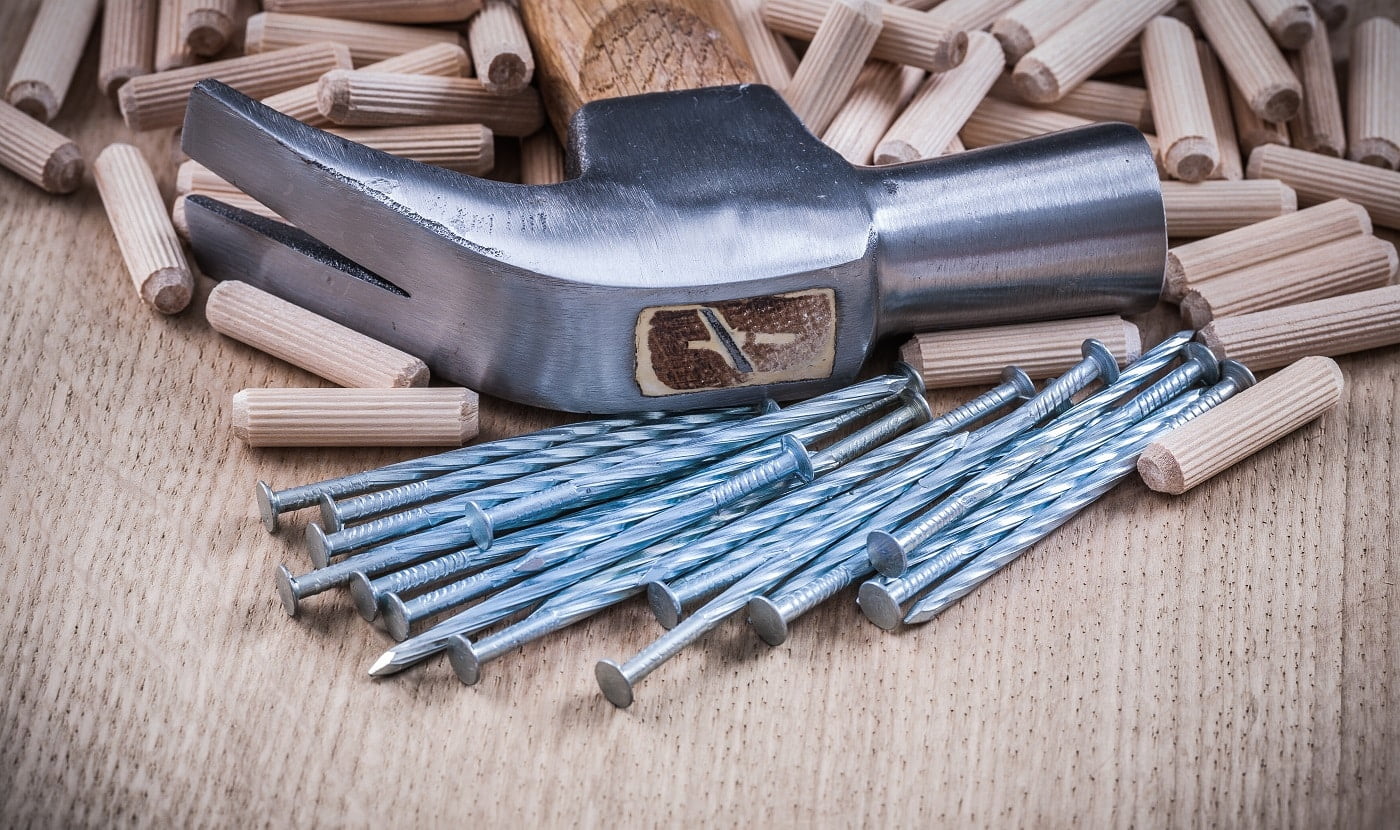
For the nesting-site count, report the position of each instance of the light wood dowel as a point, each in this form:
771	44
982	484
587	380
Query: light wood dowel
1252	59
1252	130
499	48
1334	326
385	99
305	339
368	42
973	357
1231	165
942	105
1352	264
881	91
1127	61
231	197
908	37
1213	207
995	121
128	43
1319	127
541	159
1195	263
833	60
171	50
773	58
1242	425
467	148
1332	12
412	417
1373	103
446	59
154	101
1179	106
1320	179
1080	47
40	79
380	11
967	15
1092	100
147	240
1291	22
37	153
1028	23
206	26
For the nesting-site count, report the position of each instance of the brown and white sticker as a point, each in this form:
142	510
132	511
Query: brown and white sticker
744	342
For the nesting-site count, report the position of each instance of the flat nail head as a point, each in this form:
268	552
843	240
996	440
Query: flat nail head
1235	371
1202	356
878	606
886	553
267	506
916	380
317	547
615	685
1025	387
464	660
395	617
767	621
287	590
330	513
800	457
362	594
664	604
1108	364
483	531
917	402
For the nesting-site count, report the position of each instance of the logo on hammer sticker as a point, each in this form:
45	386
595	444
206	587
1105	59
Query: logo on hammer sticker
745	342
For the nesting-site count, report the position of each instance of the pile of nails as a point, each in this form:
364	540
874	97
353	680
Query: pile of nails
711	513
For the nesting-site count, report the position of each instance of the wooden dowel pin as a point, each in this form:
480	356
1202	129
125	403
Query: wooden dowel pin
907	36
1333	326
967	15
40	79
369	99
1023	26
446	59
38	154
541	159
1332	12
128	43
1291	22
208	25
833	60
942	105
411	417
1318	127
467	148
1092	100
1079	48
1373	96
1318	178
1179	106
1252	130
380	11
1216	206
881	91
171	50
773	58
368	42
1231	165
499	48
147	240
972	357
1252	59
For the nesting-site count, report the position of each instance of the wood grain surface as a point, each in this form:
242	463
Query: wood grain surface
1226	658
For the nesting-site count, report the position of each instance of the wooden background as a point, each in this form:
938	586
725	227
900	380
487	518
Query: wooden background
1224	658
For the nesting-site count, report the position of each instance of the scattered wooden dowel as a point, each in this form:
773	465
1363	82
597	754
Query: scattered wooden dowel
1332	12
1357	263
499	48
446	59
1195	263
1127	62
1241	426
1179	107
971	357
385	99
773	58
410	417
154	101
954	146
1252	130
881	91
171	50
1231	164
305	339
1080	47
468	148
368	42
995	121
1334	326
147	240
1028	23
967	15
908	36
38	154
232	197
1291	22
207	25
833	60
381	11
128	43
1213	207
1320	178
1318	127
1092	100
942	105
541	159
41	77
1252	59
1373	102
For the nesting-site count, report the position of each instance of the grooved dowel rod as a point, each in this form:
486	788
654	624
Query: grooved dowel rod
371	99
154	101
996	122
128	43
1092	100
1195	263
1212	207
1341	267
469	148
446	59
773	58
1373	96
367	42
942	105
1180	109
967	15
147	240
38	154
41	77
381	11
1023	26
1319	127
1318	178
833	60
1252	130
171	50
1242	426
1291	22
541	159
1334	326
305	339
1231	165
207	25
972	357
1081	46
1252	59
499	48
908	36
881	91
412	417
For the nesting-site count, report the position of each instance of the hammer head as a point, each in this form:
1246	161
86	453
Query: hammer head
707	250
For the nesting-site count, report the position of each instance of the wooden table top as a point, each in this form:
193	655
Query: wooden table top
1227	657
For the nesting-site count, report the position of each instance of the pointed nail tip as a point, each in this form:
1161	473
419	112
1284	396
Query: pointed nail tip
384	665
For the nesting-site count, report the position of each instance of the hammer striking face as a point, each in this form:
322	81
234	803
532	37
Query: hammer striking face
707	250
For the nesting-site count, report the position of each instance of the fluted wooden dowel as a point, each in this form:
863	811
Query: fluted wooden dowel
147	240
1216	206
1252	59
995	121
1353	264
38	154
833	60
942	105
968	15
154	101
1126	61
171	50
1252	130
973	357
1242	425
206	26
541	159
410	417
385	99
1028	23
1231	164
1320	179
1373	96
446	59
1334	326
1291	22
1080	47
1180	109
1318	127
499	48
1195	263
881	91
128	43
368	42
1332	12
40	79
381	11
907	36
468	148
773	58
1091	100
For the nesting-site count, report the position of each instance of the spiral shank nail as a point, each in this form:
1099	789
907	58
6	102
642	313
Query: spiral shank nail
817	583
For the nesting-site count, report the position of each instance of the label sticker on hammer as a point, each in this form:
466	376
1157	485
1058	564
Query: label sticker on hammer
744	342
